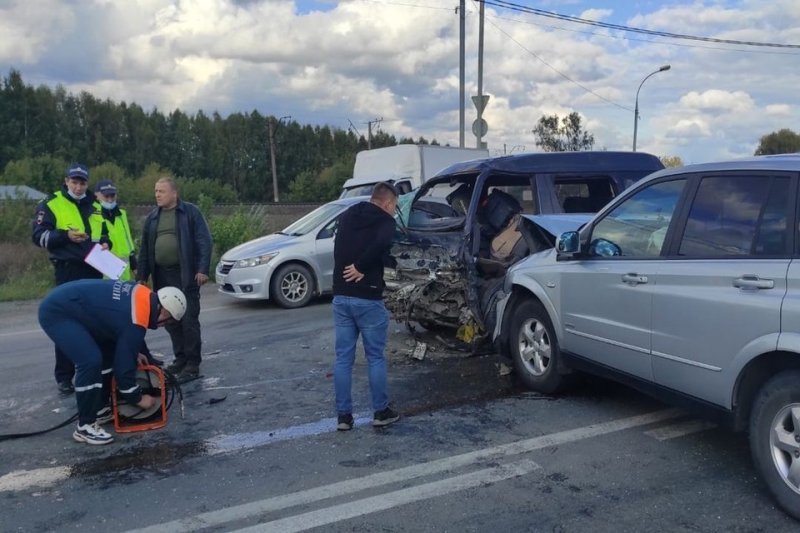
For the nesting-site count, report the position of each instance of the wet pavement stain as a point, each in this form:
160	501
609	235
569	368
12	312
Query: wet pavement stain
424	395
132	465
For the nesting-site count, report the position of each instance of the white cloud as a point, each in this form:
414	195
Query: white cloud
778	109
596	14
27	29
717	100
362	59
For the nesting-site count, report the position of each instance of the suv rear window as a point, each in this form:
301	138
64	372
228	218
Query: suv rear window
737	216
583	194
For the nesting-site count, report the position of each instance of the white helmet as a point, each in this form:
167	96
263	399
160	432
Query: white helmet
173	300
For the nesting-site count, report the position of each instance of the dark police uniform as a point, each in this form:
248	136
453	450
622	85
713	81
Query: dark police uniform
55	216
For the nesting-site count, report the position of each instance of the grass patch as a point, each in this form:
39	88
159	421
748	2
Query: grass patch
30	285
25	272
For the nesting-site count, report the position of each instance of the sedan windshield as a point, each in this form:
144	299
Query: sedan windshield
312	220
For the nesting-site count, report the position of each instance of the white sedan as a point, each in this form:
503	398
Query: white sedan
289	267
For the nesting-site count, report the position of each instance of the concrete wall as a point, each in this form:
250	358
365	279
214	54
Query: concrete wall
278	216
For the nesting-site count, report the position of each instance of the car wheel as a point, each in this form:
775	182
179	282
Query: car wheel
292	286
775	438
534	348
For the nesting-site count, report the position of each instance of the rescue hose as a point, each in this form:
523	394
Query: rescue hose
173	388
11	436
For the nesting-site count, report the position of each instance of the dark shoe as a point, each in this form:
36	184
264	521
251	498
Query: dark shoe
92	434
188	373
104	416
65	387
385	417
344	423
177	366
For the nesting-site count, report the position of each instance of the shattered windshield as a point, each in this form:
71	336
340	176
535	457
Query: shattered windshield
442	205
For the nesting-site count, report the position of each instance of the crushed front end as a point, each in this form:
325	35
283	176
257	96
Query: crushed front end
429	284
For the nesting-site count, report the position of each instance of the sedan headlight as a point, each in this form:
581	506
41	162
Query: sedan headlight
254	261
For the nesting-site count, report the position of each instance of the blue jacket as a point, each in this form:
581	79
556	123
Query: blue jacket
194	240
115	313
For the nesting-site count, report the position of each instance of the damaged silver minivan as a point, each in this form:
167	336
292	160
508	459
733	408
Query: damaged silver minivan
466	226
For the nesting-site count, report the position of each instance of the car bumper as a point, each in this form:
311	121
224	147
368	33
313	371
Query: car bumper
250	283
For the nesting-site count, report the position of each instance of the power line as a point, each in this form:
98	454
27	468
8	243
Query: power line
549	14
649	41
554	69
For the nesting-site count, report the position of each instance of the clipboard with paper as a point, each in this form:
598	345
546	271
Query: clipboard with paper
105	262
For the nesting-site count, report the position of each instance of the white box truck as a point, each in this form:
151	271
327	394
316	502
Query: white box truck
407	166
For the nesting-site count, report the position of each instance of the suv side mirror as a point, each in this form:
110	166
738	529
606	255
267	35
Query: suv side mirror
604	248
568	243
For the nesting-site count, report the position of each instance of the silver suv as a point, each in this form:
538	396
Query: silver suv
686	286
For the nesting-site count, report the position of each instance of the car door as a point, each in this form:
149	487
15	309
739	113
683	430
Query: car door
324	254
720	290
607	295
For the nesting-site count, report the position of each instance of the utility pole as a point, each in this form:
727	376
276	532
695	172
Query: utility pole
271	126
480	133
461	70
369	131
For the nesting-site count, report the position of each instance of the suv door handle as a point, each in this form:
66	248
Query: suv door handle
753	282
634	279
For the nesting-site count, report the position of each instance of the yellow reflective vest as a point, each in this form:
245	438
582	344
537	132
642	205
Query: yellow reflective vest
68	216
119	233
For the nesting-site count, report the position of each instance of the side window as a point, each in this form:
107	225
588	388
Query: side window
637	226
583	195
737	216
329	230
403	187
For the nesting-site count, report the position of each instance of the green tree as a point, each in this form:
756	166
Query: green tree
323	186
671	161
565	134
43	173
783	141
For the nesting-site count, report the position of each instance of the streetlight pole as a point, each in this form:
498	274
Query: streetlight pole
636	109
271	132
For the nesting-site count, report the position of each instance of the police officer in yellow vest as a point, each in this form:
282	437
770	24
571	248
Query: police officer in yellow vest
115	220
67	224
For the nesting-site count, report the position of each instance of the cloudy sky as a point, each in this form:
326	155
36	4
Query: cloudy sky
328	62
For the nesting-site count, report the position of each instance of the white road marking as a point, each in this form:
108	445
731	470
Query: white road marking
25	479
24	332
680	429
239	512
381	502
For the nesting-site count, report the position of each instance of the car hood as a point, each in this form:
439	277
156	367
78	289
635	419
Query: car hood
559	223
260	246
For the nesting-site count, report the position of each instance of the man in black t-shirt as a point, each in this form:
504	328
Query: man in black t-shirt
363	239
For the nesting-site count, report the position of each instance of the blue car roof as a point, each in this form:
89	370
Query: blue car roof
560	162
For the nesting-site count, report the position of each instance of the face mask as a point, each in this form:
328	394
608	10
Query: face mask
76	197
109	205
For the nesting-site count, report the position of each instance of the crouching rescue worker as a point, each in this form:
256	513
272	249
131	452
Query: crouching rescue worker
83	316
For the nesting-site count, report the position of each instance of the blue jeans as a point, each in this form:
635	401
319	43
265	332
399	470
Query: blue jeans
369	318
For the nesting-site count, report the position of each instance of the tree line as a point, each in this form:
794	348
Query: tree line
43	128
226	159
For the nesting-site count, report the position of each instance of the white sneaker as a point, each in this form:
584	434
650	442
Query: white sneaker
104	416
92	434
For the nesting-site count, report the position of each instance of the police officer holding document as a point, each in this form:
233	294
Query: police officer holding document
115	220
67	224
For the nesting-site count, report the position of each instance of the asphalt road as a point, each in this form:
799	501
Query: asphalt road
257	449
